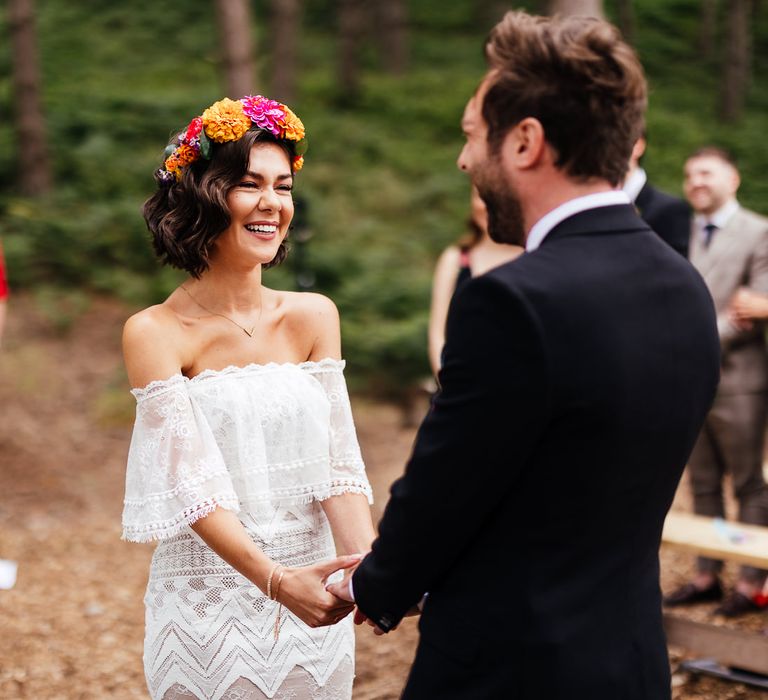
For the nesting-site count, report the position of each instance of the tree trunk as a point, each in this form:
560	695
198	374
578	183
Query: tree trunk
736	63
392	22
707	27
34	165
351	19
591	8
234	19
286	23
626	19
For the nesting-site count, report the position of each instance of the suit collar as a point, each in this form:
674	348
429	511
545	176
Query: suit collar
721	218
609	219
644	196
552	219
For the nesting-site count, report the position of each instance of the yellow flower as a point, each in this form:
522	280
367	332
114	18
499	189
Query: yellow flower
298	163
225	121
294	129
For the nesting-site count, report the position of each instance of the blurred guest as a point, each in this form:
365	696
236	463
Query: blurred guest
729	247
3	295
474	254
669	216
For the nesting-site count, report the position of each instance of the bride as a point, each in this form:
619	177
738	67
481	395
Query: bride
244	464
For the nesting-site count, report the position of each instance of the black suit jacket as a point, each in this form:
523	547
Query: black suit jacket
669	216
575	381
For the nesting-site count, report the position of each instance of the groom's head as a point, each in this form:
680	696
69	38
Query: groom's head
563	97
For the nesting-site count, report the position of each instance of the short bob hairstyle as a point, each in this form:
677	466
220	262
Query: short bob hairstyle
186	217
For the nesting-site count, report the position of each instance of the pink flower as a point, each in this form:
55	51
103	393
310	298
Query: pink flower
265	113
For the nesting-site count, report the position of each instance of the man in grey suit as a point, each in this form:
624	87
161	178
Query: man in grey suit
729	247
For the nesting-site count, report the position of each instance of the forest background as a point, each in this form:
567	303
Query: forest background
381	191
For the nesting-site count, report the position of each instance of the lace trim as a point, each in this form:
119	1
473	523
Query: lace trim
302	495
157	386
184	487
174	526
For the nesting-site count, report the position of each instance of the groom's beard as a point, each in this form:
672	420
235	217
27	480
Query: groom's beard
505	215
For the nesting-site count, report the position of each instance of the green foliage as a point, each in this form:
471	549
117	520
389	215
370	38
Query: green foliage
383	194
61	307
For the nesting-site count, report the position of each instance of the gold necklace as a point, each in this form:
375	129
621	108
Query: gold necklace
249	333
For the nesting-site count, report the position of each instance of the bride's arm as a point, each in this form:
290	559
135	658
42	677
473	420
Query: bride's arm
348	513
351	523
301	589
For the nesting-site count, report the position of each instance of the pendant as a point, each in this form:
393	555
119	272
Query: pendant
249	333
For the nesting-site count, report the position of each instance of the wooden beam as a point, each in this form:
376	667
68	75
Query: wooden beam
745	650
745	544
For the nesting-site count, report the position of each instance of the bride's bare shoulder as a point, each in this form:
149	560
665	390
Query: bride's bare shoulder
152	345
157	320
314	317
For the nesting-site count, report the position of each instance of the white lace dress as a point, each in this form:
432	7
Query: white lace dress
268	442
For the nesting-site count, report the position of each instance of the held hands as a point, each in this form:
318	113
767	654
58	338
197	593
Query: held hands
303	592
341	590
746	307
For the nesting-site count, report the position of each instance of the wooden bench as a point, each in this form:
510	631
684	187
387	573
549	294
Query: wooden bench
744	544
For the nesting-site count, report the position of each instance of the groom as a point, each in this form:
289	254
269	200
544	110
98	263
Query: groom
575	381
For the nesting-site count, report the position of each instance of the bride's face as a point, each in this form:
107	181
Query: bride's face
260	207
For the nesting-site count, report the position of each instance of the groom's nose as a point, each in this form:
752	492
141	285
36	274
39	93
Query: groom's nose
462	162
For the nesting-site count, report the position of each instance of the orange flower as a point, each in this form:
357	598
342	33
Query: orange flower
294	129
298	163
185	155
225	121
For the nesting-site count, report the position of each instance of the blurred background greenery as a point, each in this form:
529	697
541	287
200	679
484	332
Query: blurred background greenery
382	191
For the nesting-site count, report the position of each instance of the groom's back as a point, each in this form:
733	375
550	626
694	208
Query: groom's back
631	364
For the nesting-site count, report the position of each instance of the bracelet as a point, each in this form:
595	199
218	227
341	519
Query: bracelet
279	581
277	619
269	580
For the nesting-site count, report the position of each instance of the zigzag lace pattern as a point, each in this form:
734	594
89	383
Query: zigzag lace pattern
268	442
210	631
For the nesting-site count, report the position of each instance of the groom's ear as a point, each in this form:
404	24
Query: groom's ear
525	146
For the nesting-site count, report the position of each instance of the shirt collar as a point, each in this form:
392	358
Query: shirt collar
720	218
634	183
546	223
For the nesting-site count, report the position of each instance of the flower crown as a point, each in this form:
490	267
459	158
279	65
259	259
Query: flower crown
227	120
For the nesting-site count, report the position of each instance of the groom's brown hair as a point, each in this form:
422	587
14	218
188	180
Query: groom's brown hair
579	79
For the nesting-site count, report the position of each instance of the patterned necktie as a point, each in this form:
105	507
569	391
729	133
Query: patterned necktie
709	231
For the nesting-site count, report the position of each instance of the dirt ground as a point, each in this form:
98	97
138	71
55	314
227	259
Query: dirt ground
72	626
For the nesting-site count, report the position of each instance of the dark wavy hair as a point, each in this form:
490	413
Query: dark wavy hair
186	217
579	79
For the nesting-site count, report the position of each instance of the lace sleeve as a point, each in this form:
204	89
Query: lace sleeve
176	473
347	467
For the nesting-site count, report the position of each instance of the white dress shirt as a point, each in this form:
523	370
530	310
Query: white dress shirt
634	183
720	218
546	223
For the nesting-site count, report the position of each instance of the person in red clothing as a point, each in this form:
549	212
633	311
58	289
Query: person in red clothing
3	294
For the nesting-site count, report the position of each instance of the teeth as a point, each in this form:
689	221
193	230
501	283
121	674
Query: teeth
261	228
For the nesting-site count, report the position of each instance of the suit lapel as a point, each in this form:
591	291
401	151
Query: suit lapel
723	241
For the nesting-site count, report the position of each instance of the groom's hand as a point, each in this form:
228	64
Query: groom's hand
343	589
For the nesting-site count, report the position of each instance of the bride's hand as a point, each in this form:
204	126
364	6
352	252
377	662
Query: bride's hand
302	591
